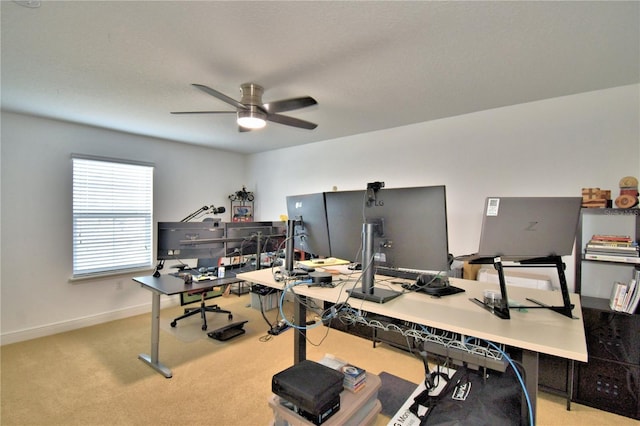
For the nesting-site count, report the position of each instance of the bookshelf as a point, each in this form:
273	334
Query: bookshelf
610	381
595	277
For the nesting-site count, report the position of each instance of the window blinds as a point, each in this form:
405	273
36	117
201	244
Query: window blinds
112	216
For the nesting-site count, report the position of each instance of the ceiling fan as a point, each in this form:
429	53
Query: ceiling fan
252	113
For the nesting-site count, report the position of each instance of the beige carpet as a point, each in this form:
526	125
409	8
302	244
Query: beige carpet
92	376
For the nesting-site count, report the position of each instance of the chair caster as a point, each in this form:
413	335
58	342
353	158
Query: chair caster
204	327
173	324
230	317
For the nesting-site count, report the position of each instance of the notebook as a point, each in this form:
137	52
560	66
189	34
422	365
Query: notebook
528	227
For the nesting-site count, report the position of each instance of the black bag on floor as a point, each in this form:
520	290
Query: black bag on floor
470	399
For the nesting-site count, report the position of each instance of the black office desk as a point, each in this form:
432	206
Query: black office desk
169	285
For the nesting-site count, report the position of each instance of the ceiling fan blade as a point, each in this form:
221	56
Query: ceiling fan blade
220	96
289	104
203	112
290	121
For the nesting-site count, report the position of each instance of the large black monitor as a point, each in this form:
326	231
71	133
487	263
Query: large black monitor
413	226
245	238
311	233
345	216
408	225
190	240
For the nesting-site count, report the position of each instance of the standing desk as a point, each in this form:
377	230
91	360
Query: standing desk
534	331
169	285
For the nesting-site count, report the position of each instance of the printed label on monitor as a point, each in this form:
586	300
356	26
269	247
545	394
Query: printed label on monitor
380	257
493	205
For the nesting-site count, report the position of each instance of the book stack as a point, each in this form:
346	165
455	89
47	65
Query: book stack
625	297
612	248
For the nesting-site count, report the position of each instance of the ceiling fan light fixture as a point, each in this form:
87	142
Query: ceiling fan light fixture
252	119
252	113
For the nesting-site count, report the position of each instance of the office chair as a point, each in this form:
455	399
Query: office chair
203	264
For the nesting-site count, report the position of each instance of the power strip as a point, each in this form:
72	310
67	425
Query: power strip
283	326
279	328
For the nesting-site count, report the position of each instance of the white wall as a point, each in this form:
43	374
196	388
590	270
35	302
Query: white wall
36	295
553	147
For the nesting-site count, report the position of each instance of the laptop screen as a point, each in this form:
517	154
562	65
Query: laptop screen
529	227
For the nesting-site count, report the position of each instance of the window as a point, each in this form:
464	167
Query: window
112	216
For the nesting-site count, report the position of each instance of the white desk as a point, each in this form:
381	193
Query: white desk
534	331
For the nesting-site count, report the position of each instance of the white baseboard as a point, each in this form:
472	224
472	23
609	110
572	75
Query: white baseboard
74	324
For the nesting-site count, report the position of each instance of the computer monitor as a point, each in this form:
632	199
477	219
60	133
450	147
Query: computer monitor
246	238
190	240
413	233
345	216
311	233
408	228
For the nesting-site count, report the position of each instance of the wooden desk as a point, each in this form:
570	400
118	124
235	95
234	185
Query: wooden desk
169	285
534	331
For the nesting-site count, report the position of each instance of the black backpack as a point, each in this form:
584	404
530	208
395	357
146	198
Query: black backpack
468	398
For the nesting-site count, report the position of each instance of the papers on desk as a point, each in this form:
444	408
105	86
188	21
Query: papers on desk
204	277
319	263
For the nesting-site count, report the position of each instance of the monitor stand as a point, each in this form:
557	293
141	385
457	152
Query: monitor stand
378	295
287	270
368	291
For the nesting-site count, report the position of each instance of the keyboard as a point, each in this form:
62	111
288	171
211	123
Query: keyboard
397	273
406	274
435	285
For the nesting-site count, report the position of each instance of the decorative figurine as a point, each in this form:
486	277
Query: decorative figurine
628	193
596	197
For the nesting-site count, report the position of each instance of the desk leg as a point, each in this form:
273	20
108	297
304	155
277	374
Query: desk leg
152	360
530	364
570	383
300	337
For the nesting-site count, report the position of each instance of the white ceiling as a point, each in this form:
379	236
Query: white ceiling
370	65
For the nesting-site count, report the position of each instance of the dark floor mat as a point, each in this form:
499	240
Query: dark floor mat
393	392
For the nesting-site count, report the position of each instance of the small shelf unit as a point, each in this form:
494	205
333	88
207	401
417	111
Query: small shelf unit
610	380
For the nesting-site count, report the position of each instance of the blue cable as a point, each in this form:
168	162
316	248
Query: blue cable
284	318
515	369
